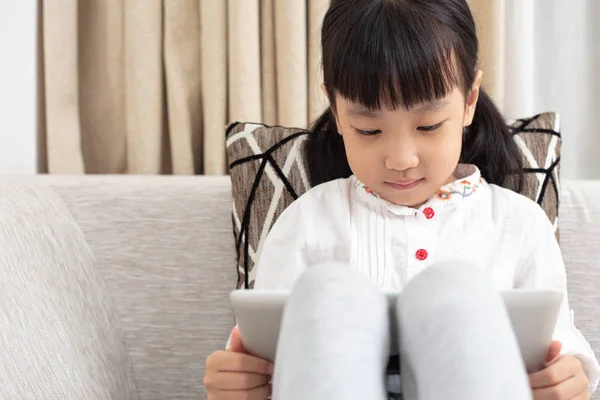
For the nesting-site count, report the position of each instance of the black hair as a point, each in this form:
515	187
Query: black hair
400	53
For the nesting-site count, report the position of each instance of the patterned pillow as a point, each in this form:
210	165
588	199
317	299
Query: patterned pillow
540	141
268	173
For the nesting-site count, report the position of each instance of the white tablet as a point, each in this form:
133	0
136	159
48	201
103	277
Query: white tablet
533	314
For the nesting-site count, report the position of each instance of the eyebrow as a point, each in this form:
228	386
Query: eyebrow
359	111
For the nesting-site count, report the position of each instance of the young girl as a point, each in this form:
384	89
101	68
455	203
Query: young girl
406	165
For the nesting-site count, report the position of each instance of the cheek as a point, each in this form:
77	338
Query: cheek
445	148
454	144
361	154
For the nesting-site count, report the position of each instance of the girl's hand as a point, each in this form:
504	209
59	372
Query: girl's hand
233	374
563	378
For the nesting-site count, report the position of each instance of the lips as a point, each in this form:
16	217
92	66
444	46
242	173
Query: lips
405	184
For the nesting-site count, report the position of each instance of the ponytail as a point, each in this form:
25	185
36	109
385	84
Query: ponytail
489	144
325	153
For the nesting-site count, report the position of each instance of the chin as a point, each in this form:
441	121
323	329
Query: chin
407	201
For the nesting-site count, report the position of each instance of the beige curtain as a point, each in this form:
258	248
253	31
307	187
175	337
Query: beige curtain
490	19
148	86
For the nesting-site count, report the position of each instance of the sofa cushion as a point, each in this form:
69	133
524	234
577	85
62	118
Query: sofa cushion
59	334
268	172
580	231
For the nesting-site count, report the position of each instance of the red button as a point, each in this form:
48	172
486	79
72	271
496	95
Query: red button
421	254
429	213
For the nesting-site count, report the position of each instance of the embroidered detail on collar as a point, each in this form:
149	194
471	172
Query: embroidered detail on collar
468	182
365	188
464	188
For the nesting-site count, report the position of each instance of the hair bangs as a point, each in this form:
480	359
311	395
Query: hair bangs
383	63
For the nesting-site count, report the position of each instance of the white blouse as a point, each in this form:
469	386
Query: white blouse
494	228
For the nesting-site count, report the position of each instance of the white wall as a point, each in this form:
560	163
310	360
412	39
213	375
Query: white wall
552	64
18	87
567	80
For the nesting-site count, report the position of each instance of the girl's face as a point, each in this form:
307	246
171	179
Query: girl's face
406	156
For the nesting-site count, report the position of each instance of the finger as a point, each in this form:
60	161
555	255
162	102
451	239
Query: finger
563	390
227	361
259	393
561	370
235	380
553	351
235	343
571	388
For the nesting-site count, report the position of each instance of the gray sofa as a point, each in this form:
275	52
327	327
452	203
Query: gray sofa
134	315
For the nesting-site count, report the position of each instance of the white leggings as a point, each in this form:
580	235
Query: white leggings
455	339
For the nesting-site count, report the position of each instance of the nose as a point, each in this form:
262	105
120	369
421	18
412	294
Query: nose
401	155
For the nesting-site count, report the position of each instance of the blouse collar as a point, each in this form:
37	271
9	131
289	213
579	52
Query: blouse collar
468	181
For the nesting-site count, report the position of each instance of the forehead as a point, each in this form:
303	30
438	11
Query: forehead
353	109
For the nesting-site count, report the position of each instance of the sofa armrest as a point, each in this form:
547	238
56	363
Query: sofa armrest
59	336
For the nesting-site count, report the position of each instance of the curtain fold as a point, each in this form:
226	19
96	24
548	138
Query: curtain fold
145	120
490	19
182	77
101	90
244	61
63	124
317	101
291	58
268	62
213	58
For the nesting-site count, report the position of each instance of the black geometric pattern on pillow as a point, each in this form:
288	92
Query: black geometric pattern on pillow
259	184
540	141
549	172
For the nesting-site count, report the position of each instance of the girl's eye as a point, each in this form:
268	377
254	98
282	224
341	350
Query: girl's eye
430	128
368	133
